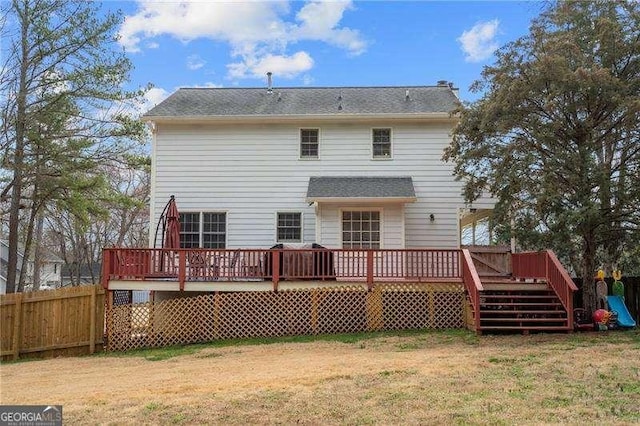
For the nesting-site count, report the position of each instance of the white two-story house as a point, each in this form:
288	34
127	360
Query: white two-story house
343	167
298	188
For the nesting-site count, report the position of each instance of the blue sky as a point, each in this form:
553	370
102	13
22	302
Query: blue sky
369	43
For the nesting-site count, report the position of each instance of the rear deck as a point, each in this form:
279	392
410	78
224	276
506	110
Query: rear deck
497	298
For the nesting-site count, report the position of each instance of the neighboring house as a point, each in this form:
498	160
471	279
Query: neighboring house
86	275
71	275
50	270
341	166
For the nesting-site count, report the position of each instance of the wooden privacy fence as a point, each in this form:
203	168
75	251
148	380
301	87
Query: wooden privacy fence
45	324
294	312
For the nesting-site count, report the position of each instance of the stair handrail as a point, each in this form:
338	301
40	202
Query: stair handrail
472	284
562	284
545	264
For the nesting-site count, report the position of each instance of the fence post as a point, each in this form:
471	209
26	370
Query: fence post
17	326
275	269
92	322
369	268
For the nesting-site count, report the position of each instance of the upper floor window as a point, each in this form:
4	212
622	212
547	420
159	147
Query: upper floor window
289	227
309	139
203	230
381	143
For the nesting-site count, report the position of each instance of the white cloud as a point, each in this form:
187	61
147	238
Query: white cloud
188	20
154	96
281	65
258	33
135	108
319	21
153	45
479	42
195	62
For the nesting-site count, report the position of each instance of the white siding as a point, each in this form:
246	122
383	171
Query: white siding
51	274
253	171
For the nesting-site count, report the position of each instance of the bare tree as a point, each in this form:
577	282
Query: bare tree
62	111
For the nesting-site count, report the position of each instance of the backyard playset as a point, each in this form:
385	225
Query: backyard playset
611	312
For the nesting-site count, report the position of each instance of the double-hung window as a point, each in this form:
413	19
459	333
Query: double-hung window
381	143
309	143
289	227
189	230
203	230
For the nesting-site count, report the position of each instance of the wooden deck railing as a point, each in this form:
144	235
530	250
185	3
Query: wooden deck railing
362	265
472	284
545	264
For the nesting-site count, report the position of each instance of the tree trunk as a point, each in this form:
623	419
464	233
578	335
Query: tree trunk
18	158
37	253
14	219
588	270
28	245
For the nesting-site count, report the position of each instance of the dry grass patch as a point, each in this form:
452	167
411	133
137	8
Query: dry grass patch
415	378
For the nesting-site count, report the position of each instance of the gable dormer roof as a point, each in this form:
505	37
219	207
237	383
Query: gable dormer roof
293	102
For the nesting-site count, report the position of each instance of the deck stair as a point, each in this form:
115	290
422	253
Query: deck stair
509	305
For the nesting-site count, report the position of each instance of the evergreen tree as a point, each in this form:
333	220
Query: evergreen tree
556	135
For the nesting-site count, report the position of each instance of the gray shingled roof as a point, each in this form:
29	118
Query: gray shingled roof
360	187
47	255
223	102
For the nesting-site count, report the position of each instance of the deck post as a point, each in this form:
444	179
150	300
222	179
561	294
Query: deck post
275	268
108	318
106	267
370	269
182	268
546	264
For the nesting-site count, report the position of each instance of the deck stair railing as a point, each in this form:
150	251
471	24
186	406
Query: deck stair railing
534	293
472	284
545	265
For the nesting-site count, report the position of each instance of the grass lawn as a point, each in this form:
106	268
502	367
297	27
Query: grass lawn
450	377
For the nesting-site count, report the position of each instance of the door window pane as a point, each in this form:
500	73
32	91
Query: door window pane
360	229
